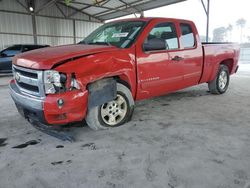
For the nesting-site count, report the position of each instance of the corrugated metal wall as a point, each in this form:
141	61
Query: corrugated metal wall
83	29
54	31
52	28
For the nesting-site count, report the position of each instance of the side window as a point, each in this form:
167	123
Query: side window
187	36
165	32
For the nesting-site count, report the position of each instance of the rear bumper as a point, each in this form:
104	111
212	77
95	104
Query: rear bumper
46	110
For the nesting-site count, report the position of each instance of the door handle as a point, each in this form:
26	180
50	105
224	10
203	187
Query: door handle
177	58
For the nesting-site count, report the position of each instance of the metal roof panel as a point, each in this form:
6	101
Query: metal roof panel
135	6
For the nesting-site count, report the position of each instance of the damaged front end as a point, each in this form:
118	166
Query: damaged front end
48	97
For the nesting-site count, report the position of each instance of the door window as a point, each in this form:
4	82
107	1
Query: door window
187	36
167	33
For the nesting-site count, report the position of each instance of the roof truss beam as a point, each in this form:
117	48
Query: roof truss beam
46	5
129	5
137	4
20	3
59	8
123	7
94	5
79	11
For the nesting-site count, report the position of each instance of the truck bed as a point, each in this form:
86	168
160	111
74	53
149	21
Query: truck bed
216	52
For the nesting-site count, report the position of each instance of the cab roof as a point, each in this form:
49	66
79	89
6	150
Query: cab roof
147	19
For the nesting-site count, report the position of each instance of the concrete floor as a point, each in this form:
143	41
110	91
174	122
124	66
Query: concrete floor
187	139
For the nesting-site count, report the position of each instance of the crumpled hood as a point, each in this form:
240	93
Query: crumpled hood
46	58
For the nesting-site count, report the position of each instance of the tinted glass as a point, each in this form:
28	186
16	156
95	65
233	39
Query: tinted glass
11	51
119	34
32	47
28	48
187	38
167	33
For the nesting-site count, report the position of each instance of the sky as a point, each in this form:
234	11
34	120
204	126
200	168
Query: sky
222	13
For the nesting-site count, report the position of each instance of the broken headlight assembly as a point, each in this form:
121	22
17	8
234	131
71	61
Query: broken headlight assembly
74	83
55	82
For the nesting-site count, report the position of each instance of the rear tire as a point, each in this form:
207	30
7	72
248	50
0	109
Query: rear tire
220	84
113	113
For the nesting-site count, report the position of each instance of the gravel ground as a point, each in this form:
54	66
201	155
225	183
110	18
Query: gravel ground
186	139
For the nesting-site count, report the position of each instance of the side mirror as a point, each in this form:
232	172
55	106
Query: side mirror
154	44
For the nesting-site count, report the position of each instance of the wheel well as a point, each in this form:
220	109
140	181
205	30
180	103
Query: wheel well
229	64
118	79
122	81
101	91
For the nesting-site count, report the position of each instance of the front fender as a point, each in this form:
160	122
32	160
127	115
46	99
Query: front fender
121	63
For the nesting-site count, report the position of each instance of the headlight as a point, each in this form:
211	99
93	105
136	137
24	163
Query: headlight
53	81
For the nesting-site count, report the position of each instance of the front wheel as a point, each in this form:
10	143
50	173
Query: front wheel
220	84
113	113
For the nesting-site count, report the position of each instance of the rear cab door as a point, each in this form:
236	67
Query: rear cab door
159	71
191	53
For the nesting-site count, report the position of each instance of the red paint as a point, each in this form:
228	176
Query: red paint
73	109
148	73
46	58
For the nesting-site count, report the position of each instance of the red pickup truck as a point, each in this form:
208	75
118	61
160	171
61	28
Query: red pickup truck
123	61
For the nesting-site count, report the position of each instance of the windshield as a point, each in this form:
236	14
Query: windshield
119	34
11	51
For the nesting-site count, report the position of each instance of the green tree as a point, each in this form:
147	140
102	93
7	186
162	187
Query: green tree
219	34
67	2
241	23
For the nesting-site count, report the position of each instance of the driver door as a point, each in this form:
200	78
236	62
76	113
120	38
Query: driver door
160	70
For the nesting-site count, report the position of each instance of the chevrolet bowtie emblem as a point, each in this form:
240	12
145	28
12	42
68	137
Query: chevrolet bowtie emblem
17	77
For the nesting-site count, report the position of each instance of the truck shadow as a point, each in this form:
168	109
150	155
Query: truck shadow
185	94
143	109
179	95
143	112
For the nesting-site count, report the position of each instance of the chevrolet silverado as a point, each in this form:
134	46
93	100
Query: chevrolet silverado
99	79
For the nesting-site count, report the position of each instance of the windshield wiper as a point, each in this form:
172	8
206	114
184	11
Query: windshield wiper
82	42
99	43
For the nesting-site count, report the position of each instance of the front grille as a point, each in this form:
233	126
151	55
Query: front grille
29	81
29	87
28	74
